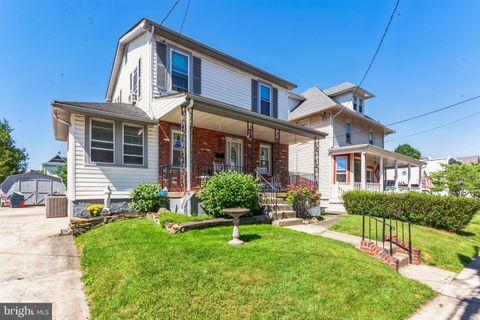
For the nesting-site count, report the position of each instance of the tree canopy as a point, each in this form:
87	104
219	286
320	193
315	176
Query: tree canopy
408	150
449	177
13	159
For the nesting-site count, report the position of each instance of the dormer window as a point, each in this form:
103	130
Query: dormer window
265	100
135	83
355	103
180	63
361	106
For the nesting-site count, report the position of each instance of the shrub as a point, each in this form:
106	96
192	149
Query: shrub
95	209
147	198
449	213
303	197
230	190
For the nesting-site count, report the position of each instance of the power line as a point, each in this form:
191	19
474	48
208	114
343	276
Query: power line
169	12
374	55
184	16
433	111
434	128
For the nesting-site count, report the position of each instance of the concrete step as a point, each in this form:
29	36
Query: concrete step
279	206
287	222
282	214
402	259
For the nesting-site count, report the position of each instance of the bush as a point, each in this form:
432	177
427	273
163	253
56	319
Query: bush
146	198
449	213
95	209
303	197
230	190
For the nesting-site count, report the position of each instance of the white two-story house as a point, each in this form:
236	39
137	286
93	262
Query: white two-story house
176	111
353	154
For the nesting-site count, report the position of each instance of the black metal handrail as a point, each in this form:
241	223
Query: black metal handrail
269	194
394	225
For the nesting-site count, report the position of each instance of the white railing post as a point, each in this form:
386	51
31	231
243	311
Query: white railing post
364	171
381	177
409	176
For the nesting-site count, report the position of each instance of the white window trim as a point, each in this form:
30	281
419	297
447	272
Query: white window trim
171	146
361	106
349	126
355	103
369	171
342	173
171	68
91	131
131	144
269	147
259	107
372	135
227	153
130	98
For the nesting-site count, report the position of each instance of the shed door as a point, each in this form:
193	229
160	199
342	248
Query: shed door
27	187
44	188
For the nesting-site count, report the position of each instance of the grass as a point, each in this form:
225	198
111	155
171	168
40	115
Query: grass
135	270
167	217
443	249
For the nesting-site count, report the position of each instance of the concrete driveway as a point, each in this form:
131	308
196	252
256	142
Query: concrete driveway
38	265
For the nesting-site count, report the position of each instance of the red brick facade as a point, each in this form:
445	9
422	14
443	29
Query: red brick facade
375	251
208	147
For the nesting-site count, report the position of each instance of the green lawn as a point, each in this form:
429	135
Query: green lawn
135	270
451	251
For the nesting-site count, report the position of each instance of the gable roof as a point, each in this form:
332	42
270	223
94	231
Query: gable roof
315	100
109	109
346	87
146	25
57	159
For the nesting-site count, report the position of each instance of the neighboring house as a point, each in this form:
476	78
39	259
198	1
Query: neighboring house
352	156
431	165
469	159
176	111
54	165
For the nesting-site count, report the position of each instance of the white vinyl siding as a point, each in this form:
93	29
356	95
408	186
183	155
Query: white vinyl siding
91	178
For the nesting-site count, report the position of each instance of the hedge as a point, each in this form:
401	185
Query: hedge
449	213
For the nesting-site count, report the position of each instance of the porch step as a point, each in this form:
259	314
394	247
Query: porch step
279	206
282	214
287	222
402	259
335	208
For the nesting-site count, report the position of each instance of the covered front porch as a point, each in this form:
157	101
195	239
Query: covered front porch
364	167
201	136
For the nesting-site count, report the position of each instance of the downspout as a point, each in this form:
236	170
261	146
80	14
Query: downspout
150	107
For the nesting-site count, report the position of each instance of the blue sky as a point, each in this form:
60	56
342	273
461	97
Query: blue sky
54	50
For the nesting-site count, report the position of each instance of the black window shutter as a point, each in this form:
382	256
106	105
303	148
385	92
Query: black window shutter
197	75
161	51
254	95
275	102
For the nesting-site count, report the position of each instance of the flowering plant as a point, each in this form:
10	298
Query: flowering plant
303	197
95	209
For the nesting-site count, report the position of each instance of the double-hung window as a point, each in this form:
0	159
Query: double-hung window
341	168
265	99
135	83
133	143
361	106
355	103
348	132
176	147
179	71
370	137
102	141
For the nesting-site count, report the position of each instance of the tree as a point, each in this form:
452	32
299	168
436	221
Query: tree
62	174
451	174
408	150
13	160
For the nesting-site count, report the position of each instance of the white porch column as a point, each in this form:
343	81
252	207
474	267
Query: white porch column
381	177
420	175
396	173
188	144
363	165
409	177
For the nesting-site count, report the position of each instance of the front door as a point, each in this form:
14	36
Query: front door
234	155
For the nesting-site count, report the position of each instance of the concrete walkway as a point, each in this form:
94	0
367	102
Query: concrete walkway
433	277
460	299
37	265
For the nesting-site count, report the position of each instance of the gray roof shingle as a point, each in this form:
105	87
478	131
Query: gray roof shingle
315	100
113	109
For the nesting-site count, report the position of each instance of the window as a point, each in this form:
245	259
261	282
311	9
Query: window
101	141
370	137
348	132
361	105
179	71
135	83
341	168
369	175
265	157
355	103
133	137
265	99
176	145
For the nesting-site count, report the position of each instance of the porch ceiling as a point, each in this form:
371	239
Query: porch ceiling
217	116
389	156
